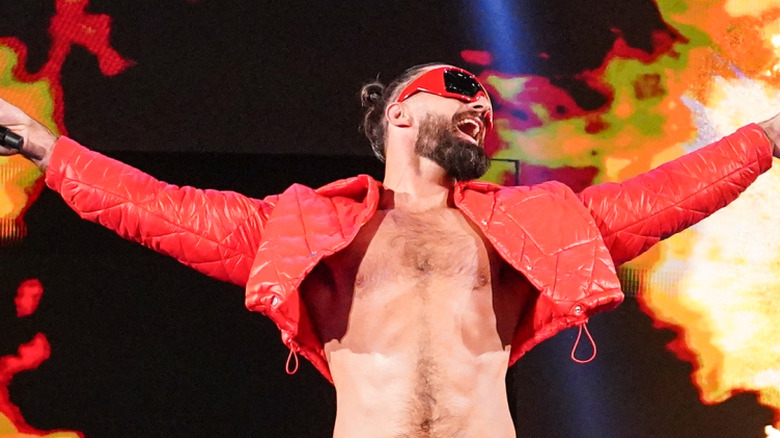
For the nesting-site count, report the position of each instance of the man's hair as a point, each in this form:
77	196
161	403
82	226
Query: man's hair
375	97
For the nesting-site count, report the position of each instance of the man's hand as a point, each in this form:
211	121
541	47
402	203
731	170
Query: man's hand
38	141
771	128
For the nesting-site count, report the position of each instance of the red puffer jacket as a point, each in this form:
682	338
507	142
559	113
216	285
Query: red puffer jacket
566	244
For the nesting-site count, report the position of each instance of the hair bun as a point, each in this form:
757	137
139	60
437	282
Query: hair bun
371	94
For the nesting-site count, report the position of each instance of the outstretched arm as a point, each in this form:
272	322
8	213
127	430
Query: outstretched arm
771	128
212	231
635	214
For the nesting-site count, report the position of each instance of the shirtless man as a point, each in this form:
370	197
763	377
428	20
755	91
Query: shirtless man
415	295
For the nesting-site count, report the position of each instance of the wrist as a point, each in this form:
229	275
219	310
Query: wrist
771	129
38	146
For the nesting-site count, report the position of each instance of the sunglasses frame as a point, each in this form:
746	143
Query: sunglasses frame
433	82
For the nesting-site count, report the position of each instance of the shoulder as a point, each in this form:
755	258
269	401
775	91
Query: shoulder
354	187
361	189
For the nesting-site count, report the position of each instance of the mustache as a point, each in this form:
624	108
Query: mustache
469	114
438	140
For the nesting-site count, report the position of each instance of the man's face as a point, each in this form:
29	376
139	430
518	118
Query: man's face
454	142
454	114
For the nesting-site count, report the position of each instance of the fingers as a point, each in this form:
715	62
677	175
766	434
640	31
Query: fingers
10	139
6	112
6	118
13	117
5	152
16	121
10	143
36	140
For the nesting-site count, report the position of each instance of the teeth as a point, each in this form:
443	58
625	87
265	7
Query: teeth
476	127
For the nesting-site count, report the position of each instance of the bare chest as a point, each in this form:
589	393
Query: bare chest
405	272
419	249
423	301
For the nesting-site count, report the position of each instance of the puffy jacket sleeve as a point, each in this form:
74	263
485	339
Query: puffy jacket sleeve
635	214
215	232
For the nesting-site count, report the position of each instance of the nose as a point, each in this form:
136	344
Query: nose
482	105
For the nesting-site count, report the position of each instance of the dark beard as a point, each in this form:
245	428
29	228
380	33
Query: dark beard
438	140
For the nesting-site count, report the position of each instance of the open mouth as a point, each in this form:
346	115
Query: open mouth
472	127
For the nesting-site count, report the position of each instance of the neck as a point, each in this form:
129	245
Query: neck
417	184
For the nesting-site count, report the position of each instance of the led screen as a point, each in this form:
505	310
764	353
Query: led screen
584	93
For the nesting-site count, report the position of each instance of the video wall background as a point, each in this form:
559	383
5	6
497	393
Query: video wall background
101	338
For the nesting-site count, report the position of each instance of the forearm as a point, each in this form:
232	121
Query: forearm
214	232
38	148
635	214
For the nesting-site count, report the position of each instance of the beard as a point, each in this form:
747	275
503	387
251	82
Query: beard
438	140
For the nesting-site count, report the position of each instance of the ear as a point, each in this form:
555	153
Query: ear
398	114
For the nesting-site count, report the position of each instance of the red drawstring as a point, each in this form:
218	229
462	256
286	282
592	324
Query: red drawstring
292	354
577	342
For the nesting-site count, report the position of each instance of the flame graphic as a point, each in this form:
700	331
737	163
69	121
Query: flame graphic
20	181
715	69
40	95
29	356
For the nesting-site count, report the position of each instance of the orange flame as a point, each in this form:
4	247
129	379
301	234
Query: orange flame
40	95
717	284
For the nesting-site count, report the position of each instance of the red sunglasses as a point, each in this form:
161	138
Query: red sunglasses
449	82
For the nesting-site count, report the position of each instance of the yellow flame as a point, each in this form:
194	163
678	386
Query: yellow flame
727	296
725	288
8	430
18	175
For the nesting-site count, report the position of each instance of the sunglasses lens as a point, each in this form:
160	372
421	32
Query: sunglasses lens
461	83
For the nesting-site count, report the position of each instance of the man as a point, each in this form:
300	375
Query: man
414	295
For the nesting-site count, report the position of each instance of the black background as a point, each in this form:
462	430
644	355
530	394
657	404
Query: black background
284	77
